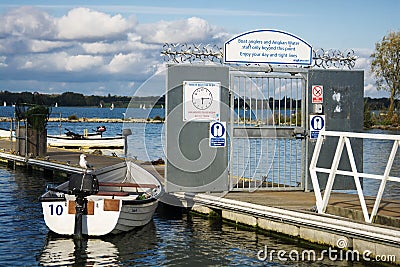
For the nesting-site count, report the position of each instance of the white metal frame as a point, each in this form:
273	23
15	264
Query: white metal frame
344	140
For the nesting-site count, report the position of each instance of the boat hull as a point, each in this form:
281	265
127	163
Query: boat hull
126	197
7	134
91	142
132	216
60	216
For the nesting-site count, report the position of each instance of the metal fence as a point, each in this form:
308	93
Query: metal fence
266	117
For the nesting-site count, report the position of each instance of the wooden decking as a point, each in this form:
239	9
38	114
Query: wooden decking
65	156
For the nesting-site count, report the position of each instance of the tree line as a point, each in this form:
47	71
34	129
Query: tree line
71	99
381	104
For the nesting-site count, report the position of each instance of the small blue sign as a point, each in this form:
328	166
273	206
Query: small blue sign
217	134
317	124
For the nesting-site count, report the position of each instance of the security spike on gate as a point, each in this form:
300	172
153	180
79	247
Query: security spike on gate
185	53
334	58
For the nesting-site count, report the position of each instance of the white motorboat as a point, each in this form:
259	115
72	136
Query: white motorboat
4	133
85	142
88	140
116	199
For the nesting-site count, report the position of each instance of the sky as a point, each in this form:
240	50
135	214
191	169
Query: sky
112	47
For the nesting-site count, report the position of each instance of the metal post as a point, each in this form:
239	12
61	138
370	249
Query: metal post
232	122
126	132
60	124
11	134
26	140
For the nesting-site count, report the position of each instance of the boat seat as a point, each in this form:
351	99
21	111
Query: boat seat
127	185
113	193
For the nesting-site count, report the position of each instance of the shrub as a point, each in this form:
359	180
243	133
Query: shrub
73	117
158	118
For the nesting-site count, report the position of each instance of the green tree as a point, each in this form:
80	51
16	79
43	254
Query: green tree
386	66
367	116
72	99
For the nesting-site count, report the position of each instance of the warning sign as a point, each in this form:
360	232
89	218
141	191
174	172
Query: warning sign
317	94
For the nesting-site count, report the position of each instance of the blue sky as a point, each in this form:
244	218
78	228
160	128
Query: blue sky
101	47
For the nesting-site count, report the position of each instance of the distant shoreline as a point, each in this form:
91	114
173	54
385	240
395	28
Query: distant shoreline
147	120
96	120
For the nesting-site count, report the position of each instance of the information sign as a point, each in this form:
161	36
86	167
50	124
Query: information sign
267	46
201	101
317	124
217	134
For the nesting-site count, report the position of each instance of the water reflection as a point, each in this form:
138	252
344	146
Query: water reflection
62	252
108	251
169	240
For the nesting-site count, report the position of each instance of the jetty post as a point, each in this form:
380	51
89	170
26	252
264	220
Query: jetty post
32	137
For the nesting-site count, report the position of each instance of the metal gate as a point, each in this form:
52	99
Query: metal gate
267	128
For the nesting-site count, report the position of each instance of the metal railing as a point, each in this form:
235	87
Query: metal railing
344	140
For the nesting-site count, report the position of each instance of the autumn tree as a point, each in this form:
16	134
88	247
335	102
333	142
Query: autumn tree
386	66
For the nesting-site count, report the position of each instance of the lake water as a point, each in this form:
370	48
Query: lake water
169	240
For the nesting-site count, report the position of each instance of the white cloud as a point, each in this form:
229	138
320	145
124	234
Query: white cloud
371	91
87	46
188	30
40	46
2	62
97	49
83	62
124	46
28	22
58	62
14	45
101	47
133	63
363	62
83	24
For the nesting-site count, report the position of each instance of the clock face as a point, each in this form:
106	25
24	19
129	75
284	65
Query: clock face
202	98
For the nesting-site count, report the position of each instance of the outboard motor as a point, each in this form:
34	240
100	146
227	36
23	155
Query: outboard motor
72	134
81	185
101	130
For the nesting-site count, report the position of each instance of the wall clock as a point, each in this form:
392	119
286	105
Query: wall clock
202	98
